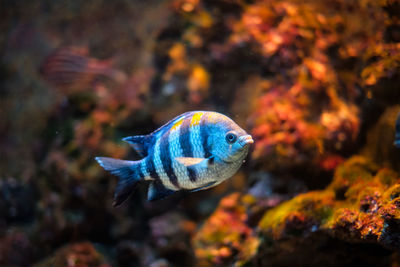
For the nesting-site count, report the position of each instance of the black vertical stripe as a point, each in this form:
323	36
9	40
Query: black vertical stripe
166	160
204	137
184	138
192	175
186	145
151	169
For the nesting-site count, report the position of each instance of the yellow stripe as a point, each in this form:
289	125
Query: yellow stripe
176	124
196	119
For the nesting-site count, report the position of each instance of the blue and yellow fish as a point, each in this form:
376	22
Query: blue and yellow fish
194	151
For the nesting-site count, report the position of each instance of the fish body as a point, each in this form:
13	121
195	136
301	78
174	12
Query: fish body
194	151
71	67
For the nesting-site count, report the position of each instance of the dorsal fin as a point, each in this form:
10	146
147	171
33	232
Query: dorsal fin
140	143
169	124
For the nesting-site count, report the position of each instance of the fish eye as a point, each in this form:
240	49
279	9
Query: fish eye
231	137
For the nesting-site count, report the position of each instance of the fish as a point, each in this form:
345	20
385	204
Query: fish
397	132
194	151
72	67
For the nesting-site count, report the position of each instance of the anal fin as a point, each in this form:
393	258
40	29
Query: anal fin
158	191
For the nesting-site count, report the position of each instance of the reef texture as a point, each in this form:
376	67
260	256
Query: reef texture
359	209
361	204
226	235
312	63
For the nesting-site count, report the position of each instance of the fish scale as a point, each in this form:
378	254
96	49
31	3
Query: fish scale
159	167
176	151
195	140
186	145
191	152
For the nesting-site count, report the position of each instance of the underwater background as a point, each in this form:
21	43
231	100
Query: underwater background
316	83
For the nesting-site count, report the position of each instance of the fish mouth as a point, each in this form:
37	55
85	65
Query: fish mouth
245	140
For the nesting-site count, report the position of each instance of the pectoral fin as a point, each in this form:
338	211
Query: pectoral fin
191	162
187	162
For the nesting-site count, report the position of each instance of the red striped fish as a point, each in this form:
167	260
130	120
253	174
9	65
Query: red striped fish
194	151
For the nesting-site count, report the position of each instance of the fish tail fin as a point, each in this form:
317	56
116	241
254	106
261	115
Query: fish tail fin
128	173
140	143
397	132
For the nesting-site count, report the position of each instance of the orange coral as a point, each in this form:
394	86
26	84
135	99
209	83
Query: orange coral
226	234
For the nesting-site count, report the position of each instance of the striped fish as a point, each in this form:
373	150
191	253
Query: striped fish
194	151
72	67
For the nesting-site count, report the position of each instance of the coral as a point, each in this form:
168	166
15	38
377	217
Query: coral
360	205
294	68
79	254
225	235
312	112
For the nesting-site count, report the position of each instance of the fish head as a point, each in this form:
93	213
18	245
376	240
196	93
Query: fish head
230	142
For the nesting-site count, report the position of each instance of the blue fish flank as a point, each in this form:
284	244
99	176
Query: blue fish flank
194	151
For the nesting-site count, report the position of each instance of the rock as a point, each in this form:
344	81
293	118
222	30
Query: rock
170	234
15	249
81	254
360	206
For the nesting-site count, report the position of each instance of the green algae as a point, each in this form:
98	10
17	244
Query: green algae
371	199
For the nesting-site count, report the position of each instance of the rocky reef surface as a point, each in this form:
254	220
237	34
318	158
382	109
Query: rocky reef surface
316	83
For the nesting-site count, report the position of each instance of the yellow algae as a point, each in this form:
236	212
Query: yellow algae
355	206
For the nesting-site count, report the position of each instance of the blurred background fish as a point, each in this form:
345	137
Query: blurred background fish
72	67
